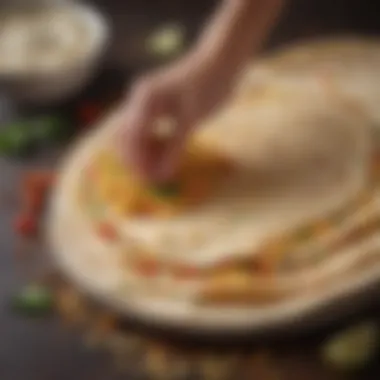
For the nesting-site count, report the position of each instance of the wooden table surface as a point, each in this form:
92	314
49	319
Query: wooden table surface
43	350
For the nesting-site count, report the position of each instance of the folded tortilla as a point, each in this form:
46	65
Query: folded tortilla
297	157
301	152
346	65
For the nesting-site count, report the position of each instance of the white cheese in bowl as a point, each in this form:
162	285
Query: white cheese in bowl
47	39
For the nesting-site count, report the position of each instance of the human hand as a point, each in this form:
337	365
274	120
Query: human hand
191	89
182	94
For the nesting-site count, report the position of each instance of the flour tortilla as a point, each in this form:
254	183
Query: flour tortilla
96	266
300	154
349	66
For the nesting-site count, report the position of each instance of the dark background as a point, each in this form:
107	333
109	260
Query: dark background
31	350
133	20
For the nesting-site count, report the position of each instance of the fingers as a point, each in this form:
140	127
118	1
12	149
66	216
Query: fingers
168	164
151	101
186	115
144	106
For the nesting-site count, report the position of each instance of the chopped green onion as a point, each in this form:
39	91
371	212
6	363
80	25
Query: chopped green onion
352	349
34	301
48	128
4	144
167	190
167	41
16	140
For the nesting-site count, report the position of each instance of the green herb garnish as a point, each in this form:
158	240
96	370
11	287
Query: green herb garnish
167	41
33	301
352	349
167	190
16	140
48	128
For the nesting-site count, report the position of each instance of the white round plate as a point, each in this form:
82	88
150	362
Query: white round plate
94	267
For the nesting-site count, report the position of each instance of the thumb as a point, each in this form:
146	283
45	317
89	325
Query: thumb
171	158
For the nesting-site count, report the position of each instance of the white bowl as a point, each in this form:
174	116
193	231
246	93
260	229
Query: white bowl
54	85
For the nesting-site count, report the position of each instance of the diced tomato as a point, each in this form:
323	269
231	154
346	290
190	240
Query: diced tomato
107	231
34	188
186	272
264	264
26	225
147	267
33	201
38	179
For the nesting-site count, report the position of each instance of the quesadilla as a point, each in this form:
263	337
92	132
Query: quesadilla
276	198
266	170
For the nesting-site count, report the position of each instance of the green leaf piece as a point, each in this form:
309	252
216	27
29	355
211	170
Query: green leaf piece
33	301
352	349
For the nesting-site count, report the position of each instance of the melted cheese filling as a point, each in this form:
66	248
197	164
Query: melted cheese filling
119	189
285	176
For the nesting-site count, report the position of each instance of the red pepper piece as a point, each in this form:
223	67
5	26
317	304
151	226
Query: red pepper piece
186	272
147	267
35	187
107	231
26	225
38	178
33	201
